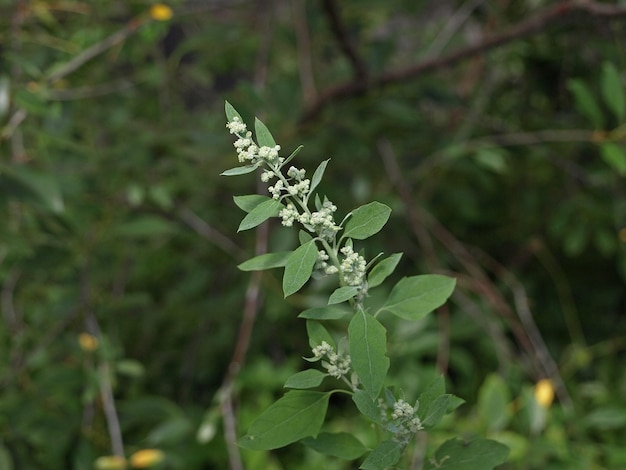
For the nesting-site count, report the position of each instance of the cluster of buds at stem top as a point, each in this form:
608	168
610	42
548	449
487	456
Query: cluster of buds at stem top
293	189
337	365
404	420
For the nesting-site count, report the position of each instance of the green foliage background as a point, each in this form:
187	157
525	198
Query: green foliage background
115	221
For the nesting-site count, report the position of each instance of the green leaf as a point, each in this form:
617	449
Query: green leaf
342	445
324	313
367	406
298	414
613	90
317	176
263	135
368	347
231	112
309	378
366	220
383	269
479	454
6	463
384	456
250	201
292	155
299	267
342	294
240	170
30	185
614	156
494	398
414	297
436	410
317	333
260	214
266	261
304	237
34	103
586	103
435	389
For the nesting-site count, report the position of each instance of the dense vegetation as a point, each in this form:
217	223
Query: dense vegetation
494	130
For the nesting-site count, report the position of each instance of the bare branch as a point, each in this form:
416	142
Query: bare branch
338	28
535	24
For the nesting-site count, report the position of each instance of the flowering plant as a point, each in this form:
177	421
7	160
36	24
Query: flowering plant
357	360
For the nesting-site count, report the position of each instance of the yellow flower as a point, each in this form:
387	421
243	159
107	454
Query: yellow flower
87	342
544	392
161	12
146	458
110	462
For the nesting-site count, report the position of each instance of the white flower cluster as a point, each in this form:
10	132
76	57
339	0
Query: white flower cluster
322	221
402	409
338	365
247	150
352	269
322	265
404	412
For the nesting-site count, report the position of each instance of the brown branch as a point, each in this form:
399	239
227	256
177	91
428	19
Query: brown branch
526	28
359	68
303	42
426	227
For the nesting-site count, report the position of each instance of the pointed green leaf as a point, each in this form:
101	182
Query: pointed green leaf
317	176
317	333
366	220
367	406
613	90
298	414
35	186
368	348
383	269
231	112
342	445
324	313
266	261
304	237
260	214
494	399
342	294
586	103
479	454
299	267
263	135
435	389
415	297
309	378
250	201
384	456
240	170
436	410
292	155
614	156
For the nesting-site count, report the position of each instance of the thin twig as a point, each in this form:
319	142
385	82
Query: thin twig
262	57
339	30
93	91
251	308
451	27
95	50
211	234
110	411
303	40
534	24
480	282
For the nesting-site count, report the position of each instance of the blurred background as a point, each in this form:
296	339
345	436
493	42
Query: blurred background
495	130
